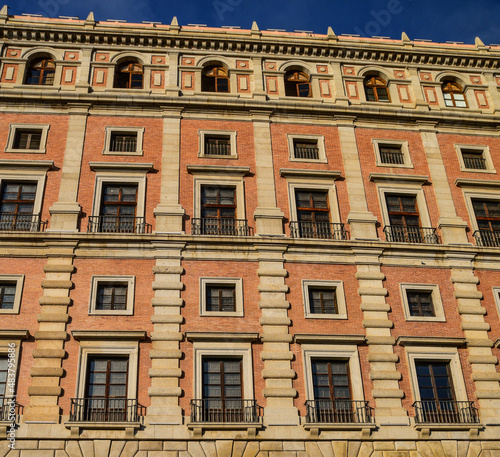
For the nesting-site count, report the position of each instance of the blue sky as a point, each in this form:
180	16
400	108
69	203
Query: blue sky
430	19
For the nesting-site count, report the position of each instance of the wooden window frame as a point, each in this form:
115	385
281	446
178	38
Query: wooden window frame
376	83
44	71
236	283
451	87
206	81
337	287
120	71
437	302
294	79
127	281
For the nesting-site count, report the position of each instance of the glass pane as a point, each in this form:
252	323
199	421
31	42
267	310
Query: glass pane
97	391
117	391
97	378
119	365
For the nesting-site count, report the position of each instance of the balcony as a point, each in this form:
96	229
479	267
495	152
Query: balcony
411	234
21	222
105	410
338	412
445	412
10	410
117	224
220	226
488	238
320	230
225	411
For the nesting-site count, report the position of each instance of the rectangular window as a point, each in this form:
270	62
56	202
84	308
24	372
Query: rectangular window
391	154
4	364
473	159
219	145
123	142
322	301
313	214
487	214
404	219
118	208
111	297
218	210
27	139
305	149
16	206
222	390
106	390
420	303
221	298
7	295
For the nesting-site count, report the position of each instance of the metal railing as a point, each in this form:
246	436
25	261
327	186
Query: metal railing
475	163
117	224
411	234
22	222
445	412
489	238
392	157
220	226
10	409
220	149
338	412
219	411
310	152
321	230
124	144
105	410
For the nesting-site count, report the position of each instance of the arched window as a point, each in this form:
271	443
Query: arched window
215	79
129	75
41	72
453	94
376	89
297	84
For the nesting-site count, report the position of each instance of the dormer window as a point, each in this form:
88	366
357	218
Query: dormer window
297	84
129	75
376	89
215	79
41	72
453	95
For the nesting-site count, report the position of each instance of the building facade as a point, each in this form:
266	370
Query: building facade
227	242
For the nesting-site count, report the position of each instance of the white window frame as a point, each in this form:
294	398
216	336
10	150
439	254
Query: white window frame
238	296
129	281
107	140
223	349
484	150
439	354
377	143
337	286
232	140
91	348
320	143
19	280
404	189
13	128
333	352
437	302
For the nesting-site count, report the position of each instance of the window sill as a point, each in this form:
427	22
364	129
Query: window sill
199	427
425	429
25	151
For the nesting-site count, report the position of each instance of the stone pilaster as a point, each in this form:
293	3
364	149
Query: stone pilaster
49	351
452	227
276	354
169	213
361	221
173	74
66	211
258	80
481	357
268	216
166	336
493	91
383	371
83	81
338	84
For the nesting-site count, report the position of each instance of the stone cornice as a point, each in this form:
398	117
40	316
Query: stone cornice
436	341
221	336
108	335
19	30
329	339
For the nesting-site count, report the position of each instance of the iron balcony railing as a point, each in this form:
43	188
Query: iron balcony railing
310	153
221	411
220	226
475	163
445	412
105	410
10	410
411	234
338	412
322	230
117	224
124	144
220	149
22	222
489	238
392	157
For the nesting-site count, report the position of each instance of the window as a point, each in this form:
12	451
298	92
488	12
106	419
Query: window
4	368
112	295
324	299
118	207
40	72
27	138
474	158
217	144
123	141
376	89
7	295
404	220
392	153
453	95
218	211
17	201
215	79
422	302
313	214
128	75
297	84
487	214
11	287
221	297
306	148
